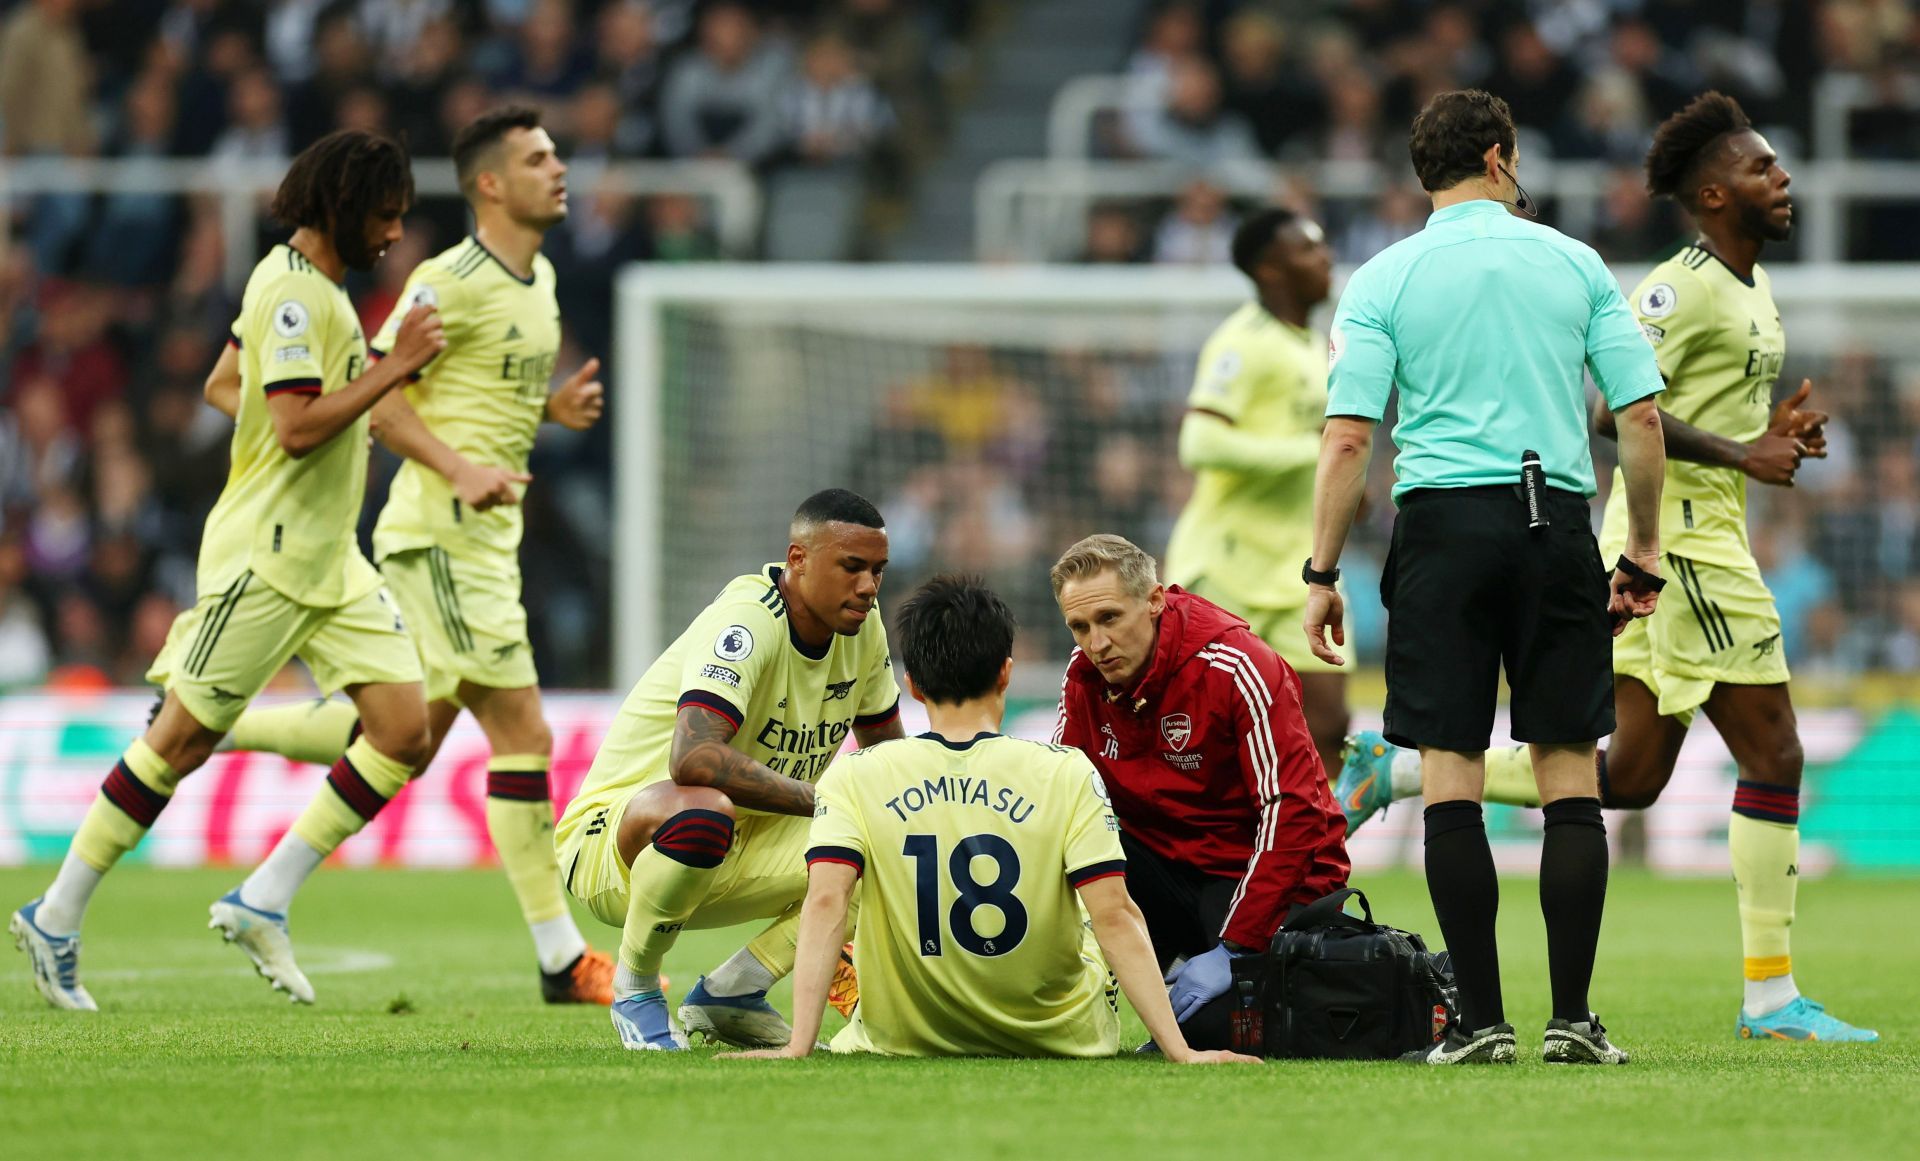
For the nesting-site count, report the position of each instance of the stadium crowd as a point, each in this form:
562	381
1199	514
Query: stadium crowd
112	307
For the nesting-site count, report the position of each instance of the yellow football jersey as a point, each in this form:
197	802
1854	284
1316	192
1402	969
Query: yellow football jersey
484	395
972	940
291	521
1720	345
793	706
1247	527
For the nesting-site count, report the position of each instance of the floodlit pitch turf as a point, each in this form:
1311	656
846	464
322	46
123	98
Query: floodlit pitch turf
430	1041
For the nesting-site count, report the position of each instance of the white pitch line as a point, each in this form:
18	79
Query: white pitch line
315	961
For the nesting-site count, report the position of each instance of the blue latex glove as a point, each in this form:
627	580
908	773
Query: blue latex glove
1199	980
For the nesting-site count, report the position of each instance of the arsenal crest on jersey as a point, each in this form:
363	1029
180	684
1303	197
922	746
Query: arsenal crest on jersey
1177	729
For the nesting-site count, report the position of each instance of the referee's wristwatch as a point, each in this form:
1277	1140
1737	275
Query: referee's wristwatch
1328	578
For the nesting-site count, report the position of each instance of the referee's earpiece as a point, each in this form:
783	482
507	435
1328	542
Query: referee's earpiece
1521	200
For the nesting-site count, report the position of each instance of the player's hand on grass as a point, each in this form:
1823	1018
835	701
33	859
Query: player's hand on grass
483	486
422	336
580	400
1326	612
790	1052
1214	1056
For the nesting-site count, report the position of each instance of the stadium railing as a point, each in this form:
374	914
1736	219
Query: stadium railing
1036	210
240	186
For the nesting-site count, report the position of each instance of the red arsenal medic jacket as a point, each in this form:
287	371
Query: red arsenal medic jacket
1209	763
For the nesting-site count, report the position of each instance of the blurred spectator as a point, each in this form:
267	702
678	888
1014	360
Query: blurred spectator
1399	213
1175	32
44	81
888	39
1532	78
339	60
1353	131
1630	227
25	654
1199	232
419	83
1260	86
723	99
134	236
71	356
1194	127
629	62
1113	236
548	63
255	130
834	112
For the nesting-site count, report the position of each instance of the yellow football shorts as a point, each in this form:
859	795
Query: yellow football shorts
764	875
1714	623
1280	629
467	620
223	651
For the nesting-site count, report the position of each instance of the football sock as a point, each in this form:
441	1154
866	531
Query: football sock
1510	778
66	900
668	881
1404	772
1573	896
358	787
520	822
1466	900
628	983
742	974
308	731
1764	839
272	885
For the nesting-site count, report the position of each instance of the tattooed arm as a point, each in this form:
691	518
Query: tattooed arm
887	731
702	757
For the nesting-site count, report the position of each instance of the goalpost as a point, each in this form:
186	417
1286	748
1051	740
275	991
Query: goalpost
995	414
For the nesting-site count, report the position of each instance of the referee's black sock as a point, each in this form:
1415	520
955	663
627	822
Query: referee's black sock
1466	898
1573	894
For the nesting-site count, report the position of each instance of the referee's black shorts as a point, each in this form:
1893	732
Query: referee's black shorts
1467	587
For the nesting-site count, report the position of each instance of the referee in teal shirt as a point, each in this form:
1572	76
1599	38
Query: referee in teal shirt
1487	323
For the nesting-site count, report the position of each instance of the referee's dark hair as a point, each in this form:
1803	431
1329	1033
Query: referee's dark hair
1686	141
473	144
1450	137
955	635
1259	231
341	180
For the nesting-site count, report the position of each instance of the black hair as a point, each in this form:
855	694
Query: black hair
340	181
479	136
1255	234
1449	141
955	633
838	506
1686	141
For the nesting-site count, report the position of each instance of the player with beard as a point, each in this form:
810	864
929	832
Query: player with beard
1710	315
280	573
448	539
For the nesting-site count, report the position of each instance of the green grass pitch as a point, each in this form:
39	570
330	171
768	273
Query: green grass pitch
429	1041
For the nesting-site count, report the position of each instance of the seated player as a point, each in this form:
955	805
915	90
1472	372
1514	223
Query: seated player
693	814
973	847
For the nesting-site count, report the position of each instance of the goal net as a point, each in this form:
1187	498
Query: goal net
995	415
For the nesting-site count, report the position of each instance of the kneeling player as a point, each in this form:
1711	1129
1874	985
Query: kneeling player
973	846
692	815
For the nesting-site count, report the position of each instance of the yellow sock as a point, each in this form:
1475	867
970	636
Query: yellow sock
668	881
777	946
520	822
1510	777
1765	869
308	731
129	802
358	786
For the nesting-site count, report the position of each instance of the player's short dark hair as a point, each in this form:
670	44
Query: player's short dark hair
478	138
955	633
1450	137
1686	141
340	180
838	506
1255	234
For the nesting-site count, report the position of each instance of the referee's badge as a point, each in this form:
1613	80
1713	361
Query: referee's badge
1177	729
1659	300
